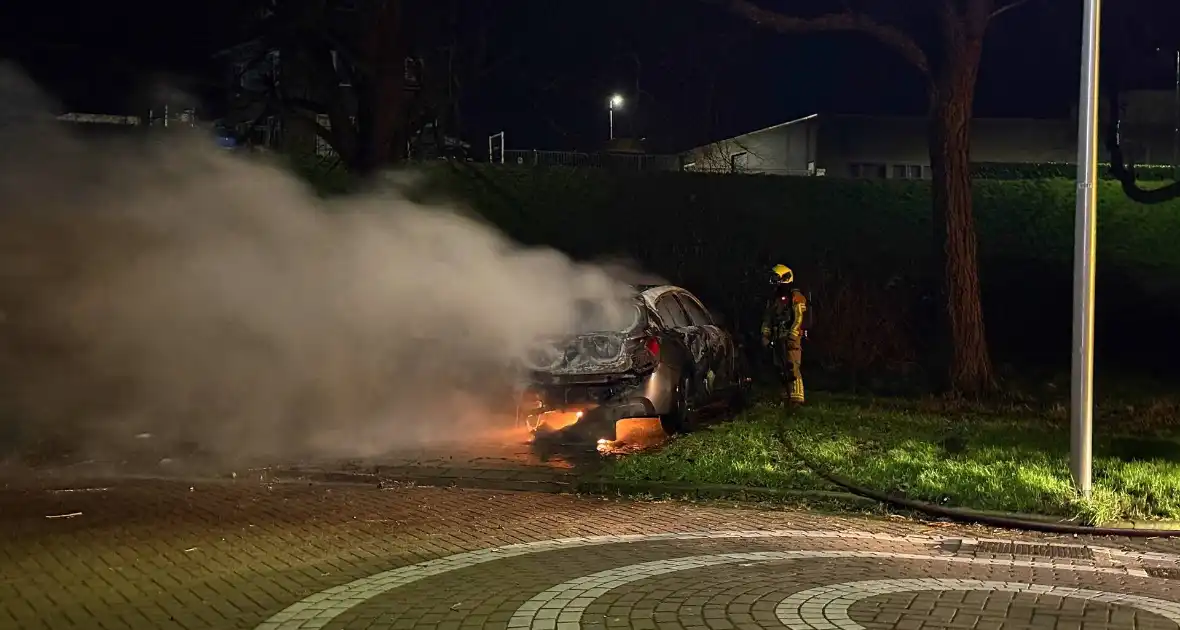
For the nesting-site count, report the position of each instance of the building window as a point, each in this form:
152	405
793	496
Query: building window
867	171
907	171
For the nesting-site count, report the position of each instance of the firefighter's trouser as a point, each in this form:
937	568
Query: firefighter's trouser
790	358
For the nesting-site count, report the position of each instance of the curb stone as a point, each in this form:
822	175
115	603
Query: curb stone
610	486
533	480
728	491
1162	525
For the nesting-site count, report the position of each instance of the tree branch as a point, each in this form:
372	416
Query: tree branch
346	53
848	21
293	103
1007	7
337	135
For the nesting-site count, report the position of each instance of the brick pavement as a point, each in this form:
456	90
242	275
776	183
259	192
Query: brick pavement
245	555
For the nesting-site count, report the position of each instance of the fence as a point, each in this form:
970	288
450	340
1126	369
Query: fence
633	162
761	170
612	161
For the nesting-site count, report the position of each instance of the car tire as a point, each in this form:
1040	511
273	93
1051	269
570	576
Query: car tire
740	398
677	420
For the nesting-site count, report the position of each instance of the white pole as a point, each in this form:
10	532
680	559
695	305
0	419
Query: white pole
1085	226
492	147
1176	124
612	121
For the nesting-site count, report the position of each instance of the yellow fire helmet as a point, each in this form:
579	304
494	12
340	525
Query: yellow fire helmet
783	274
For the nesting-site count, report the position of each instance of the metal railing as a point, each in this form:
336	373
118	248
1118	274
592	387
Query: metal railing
633	162
761	170
613	161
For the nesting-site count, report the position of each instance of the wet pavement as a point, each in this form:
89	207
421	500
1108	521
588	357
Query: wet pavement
136	554
494	459
168	541
504	458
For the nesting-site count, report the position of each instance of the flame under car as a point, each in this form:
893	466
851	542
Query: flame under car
665	358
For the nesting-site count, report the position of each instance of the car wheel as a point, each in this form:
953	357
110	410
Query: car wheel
740	398
677	420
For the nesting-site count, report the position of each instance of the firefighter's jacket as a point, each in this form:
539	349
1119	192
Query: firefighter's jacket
783	318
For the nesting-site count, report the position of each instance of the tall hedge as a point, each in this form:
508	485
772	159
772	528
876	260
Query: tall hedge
1061	170
717	233
736	217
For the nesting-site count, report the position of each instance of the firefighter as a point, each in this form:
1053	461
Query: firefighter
783	331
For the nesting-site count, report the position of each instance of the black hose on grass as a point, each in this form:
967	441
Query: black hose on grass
964	516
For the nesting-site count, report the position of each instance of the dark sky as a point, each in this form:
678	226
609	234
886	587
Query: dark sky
690	72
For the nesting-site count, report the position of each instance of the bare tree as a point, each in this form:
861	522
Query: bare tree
354	73
336	69
469	54
949	65
367	76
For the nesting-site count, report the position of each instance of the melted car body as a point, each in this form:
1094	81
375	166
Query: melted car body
660	356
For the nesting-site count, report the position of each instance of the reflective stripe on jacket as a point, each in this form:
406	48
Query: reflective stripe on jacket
784	316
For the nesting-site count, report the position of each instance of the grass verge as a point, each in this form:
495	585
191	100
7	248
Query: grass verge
1012	461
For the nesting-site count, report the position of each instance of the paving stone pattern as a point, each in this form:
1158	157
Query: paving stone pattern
134	555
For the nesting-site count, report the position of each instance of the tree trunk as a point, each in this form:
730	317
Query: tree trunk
968	362
381	98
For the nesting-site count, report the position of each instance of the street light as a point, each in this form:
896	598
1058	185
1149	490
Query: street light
1175	119
616	100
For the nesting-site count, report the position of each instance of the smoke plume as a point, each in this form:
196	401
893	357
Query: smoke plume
162	286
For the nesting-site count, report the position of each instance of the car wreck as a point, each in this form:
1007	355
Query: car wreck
665	358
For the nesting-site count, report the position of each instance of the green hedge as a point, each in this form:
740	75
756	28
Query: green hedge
718	233
1055	170
729	219
690	225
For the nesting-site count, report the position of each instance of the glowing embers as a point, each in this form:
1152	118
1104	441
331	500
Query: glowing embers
634	434
555	420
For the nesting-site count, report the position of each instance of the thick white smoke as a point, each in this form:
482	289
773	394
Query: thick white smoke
164	286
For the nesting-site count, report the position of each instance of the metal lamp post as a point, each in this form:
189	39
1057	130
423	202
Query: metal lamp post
615	101
1176	123
1085	224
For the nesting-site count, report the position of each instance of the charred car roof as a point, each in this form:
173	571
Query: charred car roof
653	292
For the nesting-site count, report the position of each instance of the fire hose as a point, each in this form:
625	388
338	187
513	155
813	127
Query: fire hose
964	516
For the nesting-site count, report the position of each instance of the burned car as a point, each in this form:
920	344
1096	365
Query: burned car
666	359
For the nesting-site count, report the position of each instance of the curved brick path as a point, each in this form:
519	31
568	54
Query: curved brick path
171	555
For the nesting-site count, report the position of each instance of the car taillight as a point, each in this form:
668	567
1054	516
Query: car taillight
653	346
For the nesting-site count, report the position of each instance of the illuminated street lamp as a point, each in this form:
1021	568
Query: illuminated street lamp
616	100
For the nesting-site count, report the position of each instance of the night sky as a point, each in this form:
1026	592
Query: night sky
689	71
